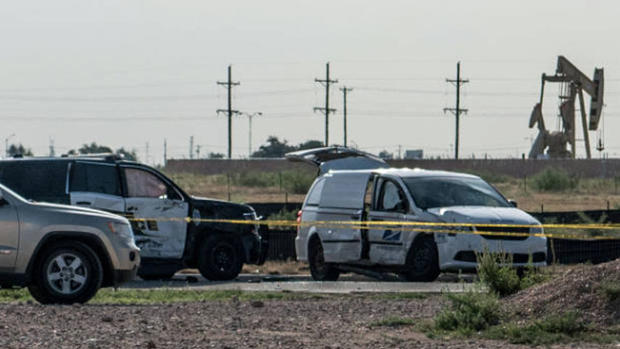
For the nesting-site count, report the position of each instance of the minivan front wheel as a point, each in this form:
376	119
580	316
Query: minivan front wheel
70	272
319	269
422	261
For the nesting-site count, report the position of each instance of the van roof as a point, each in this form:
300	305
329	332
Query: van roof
408	172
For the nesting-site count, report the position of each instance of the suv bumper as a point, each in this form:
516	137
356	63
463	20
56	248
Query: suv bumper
122	276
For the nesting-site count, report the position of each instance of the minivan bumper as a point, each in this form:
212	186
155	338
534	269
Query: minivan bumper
458	252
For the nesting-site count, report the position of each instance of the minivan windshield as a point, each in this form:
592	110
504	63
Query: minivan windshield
430	192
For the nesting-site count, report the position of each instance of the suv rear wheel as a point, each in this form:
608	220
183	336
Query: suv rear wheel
319	269
220	258
68	272
422	261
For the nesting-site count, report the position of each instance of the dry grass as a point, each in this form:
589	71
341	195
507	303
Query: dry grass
590	194
278	268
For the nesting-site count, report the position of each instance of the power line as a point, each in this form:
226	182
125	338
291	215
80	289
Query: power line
229	84
457	111
326	110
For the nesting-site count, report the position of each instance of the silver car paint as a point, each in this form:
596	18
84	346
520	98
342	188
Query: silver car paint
37	220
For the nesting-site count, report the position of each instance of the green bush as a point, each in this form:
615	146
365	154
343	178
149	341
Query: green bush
554	328
611	289
552	179
469	312
297	182
496	272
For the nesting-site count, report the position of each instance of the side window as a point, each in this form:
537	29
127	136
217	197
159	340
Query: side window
95	178
391	198
314	197
143	184
368	197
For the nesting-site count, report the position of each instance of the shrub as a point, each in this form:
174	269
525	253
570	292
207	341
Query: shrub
283	215
297	182
496	272
554	180
552	329
611	289
469	312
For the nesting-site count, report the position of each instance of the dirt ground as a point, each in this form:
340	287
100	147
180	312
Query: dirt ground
338	322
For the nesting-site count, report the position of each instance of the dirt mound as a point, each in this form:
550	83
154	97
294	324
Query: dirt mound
590	290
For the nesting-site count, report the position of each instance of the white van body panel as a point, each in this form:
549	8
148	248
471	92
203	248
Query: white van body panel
342	199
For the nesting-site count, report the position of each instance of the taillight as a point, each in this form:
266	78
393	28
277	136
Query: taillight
298	220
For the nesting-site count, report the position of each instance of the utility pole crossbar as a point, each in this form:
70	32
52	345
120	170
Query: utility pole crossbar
229	85
326	110
457	111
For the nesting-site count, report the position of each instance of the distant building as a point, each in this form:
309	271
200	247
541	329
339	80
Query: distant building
414	154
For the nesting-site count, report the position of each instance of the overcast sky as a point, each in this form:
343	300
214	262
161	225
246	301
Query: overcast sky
128	73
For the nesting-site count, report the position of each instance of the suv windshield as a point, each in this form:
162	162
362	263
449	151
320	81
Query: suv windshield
453	191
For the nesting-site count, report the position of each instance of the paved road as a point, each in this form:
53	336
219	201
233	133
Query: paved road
300	283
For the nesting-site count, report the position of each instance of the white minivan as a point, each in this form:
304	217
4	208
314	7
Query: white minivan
410	195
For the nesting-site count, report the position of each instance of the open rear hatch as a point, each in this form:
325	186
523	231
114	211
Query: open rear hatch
337	158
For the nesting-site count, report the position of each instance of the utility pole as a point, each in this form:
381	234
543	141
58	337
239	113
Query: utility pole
165	152
250	116
458	110
191	147
52	150
326	110
146	158
344	96
198	151
229	85
6	145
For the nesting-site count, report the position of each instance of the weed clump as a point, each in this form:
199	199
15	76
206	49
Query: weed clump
552	179
469	313
498	274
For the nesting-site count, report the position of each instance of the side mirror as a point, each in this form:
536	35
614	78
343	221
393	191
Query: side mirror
513	203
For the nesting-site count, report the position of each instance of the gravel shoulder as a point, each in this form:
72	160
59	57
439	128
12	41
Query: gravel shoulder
333	322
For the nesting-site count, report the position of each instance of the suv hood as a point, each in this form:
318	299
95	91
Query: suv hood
337	158
483	215
74	209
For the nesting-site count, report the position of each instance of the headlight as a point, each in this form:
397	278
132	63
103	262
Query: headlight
123	230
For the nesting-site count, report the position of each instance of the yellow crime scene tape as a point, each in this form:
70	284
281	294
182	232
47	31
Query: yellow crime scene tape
585	231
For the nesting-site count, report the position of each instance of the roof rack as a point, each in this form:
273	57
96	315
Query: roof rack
103	156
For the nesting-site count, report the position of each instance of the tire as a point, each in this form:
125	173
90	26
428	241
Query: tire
150	277
422	261
220	258
320	270
66	272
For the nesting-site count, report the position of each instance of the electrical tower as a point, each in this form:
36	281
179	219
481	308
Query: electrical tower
229	111
326	110
250	116
457	111
345	90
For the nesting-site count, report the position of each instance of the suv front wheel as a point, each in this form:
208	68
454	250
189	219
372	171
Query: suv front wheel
220	258
68	272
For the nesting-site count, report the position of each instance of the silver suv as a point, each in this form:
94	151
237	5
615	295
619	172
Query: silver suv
63	254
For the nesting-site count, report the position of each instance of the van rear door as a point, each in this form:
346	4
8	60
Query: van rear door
337	158
342	201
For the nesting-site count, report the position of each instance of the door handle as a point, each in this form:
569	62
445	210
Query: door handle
87	203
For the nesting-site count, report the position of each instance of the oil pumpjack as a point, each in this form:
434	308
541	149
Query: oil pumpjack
574	83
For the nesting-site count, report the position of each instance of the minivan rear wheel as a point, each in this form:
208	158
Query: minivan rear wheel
422	261
319	269
68	272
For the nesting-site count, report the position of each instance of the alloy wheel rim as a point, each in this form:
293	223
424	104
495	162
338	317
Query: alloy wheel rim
66	273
